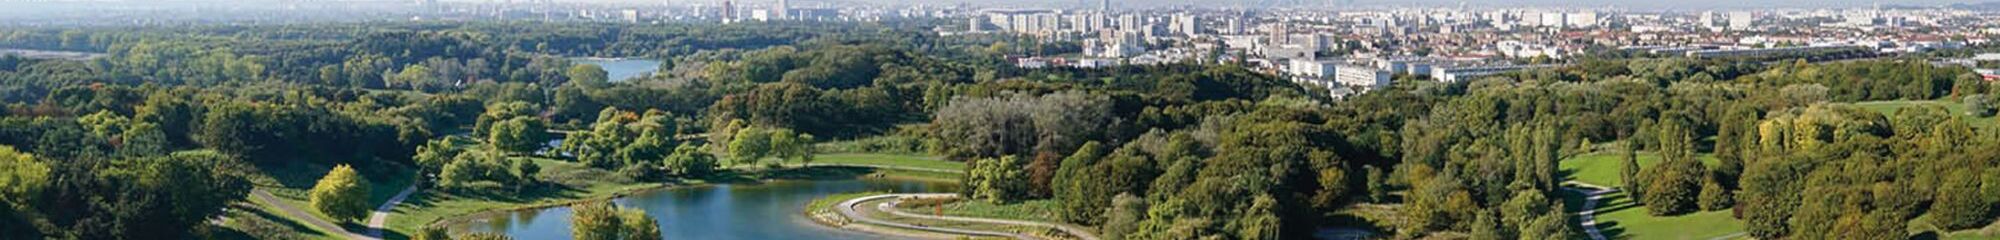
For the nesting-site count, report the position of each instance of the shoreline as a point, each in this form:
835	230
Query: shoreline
845	214
448	222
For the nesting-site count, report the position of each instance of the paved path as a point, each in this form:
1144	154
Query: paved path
848	209
1730	236
381	214
1591	194
322	224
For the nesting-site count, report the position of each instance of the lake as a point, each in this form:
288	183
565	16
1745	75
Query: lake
621	69
769	210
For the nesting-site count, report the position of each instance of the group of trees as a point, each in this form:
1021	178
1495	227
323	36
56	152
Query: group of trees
158	161
644	146
603	221
1480	158
751	145
1810	168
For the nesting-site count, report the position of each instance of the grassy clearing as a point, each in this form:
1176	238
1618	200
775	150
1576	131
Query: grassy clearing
1619	218
909	208
1889	108
291	182
893	160
827	202
1921	228
1043	210
569	182
255	218
1601	168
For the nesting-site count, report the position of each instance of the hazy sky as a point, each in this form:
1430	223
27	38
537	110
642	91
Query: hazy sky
1634	4
1629	4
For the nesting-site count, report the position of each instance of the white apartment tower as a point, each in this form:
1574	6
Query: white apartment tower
1741	21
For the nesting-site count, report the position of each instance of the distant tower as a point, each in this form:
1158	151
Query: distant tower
728	11
784	10
1104	5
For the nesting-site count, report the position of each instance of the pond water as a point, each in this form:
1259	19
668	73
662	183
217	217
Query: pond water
769	210
621	69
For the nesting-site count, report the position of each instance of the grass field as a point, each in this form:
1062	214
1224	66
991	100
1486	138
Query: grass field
1043	210
897	160
1619	218
572	184
257	219
1922	228
1601	168
1888	108
290	182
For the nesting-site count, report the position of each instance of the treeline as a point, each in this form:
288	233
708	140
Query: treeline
1481	149
1474	159
149	161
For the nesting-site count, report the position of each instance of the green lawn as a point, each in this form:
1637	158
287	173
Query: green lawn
255	217
290	182
569	183
1618	218
1601	168
1888	108
1043	210
1922	225
894	160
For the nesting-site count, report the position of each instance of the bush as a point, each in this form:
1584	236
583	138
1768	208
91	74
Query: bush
1714	196
1958	204
1980	105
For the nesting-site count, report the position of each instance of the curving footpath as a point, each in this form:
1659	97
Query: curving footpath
381	214
848	209
1588	217
322	224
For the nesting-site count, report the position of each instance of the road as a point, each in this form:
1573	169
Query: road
848	209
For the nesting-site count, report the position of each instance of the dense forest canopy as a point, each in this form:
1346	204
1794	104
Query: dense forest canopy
1174	151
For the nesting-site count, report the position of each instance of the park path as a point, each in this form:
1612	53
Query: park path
381	214
1588	216
848	209
314	220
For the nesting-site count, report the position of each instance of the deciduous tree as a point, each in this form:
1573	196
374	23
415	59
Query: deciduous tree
342	194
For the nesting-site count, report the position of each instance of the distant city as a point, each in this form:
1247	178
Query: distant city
1345	48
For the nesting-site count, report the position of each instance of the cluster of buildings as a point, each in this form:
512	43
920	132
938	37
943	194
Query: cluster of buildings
1357	49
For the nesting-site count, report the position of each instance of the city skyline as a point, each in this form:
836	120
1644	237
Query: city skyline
1096	4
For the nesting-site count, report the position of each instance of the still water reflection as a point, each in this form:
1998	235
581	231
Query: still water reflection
769	210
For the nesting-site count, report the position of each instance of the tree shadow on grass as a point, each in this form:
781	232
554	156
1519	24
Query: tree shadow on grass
251	210
1615	202
1611	230
793	173
1566	174
818	173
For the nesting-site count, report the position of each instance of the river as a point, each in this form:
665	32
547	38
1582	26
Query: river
769	210
621	69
